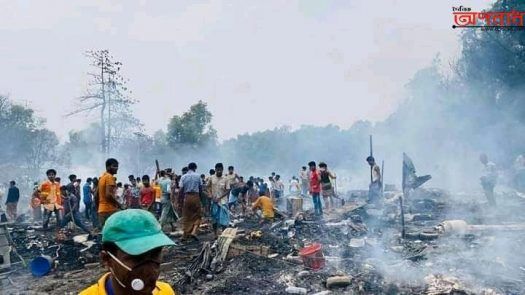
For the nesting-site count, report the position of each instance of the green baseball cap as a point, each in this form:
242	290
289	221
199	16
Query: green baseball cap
134	231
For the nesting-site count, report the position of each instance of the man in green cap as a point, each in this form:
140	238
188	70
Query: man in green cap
132	242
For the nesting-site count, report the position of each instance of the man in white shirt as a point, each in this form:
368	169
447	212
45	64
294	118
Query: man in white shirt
219	187
374	191
294	186
303	175
120	194
232	177
279	187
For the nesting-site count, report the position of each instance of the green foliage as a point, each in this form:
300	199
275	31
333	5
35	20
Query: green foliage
16	125
24	145
193	128
44	150
82	143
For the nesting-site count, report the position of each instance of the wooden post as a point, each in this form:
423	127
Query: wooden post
382	177
371	148
158	169
402	217
371	155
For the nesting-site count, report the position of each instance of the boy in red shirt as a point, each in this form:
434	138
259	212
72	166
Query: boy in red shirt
147	194
315	188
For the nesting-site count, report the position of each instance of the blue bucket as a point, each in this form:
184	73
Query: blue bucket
41	265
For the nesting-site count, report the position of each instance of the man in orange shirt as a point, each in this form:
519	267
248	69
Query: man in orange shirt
266	205
107	199
49	193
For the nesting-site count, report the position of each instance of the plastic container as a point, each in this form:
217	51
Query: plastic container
313	256
296	290
41	265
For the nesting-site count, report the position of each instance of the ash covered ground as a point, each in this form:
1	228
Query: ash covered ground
362	244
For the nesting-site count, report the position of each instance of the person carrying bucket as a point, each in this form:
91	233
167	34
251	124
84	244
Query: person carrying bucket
132	242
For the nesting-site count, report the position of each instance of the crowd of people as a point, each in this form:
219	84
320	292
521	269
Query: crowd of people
169	196
166	193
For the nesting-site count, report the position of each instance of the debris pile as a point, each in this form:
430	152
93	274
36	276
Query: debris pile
365	253
69	252
444	251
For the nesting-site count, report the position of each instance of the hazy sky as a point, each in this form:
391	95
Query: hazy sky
258	64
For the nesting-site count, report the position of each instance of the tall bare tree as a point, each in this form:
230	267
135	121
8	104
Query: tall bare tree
107	93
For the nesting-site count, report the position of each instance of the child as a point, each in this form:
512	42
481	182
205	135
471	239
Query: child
36	204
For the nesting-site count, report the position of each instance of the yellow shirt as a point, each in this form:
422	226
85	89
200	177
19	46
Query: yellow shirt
266	205
100	288
156	188
104	204
50	195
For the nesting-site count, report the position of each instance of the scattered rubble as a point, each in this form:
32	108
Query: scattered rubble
362	246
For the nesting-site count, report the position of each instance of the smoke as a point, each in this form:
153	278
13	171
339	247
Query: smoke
444	125
487	255
436	125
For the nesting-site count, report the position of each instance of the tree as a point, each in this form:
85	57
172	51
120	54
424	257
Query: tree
82	143
44	150
193	128
16	123
25	148
109	95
